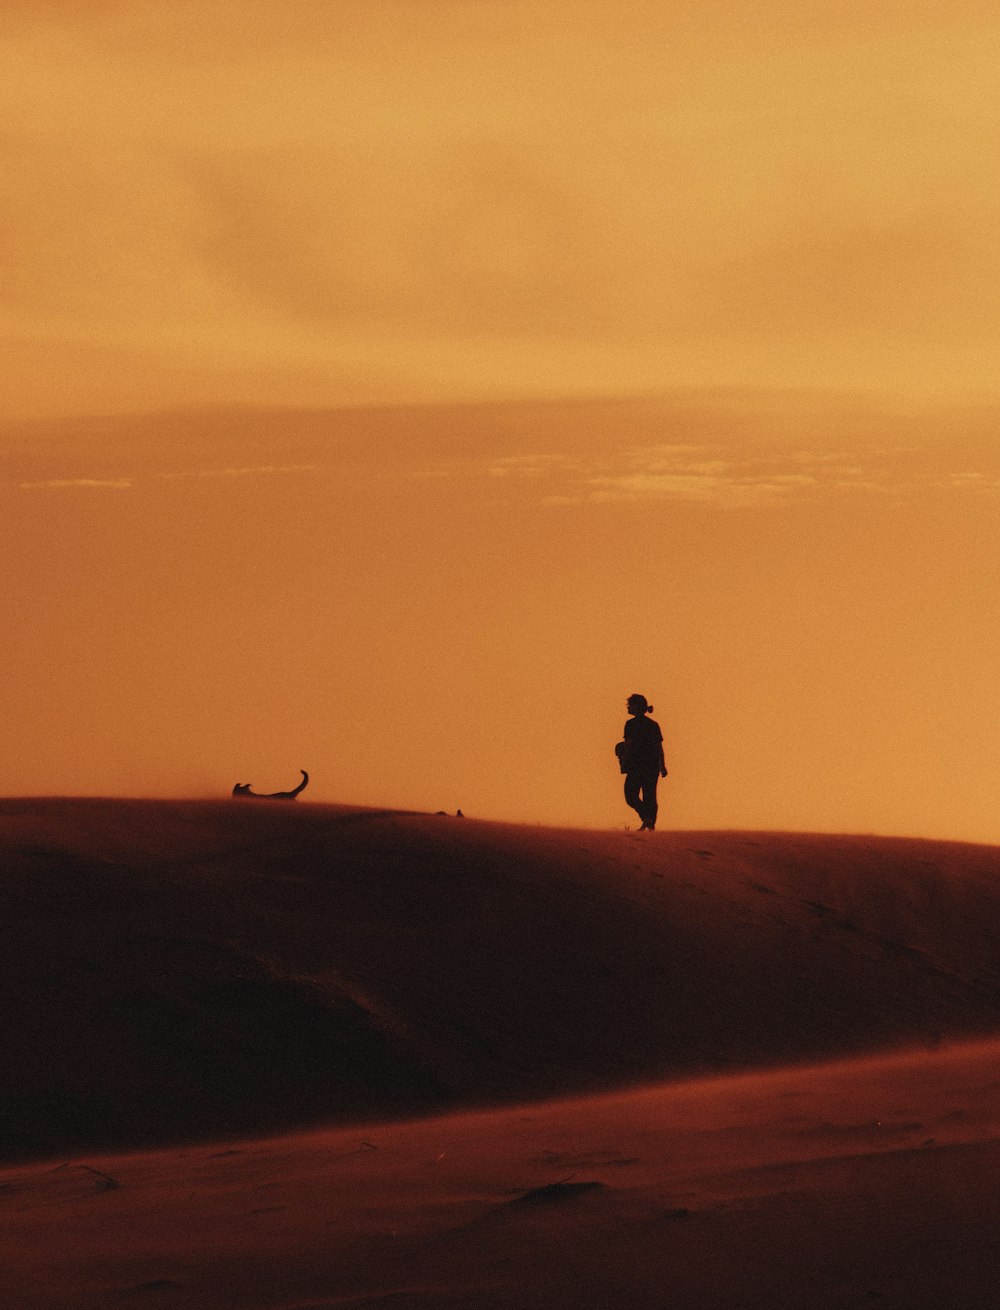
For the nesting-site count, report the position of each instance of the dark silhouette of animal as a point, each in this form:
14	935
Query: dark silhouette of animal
242	790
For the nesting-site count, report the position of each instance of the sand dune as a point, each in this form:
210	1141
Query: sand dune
867	1183
182	970
795	1122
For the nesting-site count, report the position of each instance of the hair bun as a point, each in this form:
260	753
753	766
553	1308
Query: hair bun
649	709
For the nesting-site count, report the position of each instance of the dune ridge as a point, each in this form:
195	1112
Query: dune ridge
193	970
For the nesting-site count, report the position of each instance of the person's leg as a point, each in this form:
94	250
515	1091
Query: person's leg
633	782
649	806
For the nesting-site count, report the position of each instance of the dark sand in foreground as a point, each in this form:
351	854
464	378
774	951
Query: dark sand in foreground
197	993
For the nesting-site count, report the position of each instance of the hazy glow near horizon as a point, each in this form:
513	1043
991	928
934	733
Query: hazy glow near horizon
233	221
446	607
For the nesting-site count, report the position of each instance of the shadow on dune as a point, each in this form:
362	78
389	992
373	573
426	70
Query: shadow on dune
175	971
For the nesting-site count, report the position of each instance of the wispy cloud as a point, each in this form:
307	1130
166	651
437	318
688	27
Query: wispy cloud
247	471
726	476
116	484
731	474
126	482
708	474
700	486
530	466
976	482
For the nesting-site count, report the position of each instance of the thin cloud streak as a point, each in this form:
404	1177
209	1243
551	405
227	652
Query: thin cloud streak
250	471
726	475
135	480
116	484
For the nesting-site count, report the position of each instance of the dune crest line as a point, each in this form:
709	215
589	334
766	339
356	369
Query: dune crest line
183	970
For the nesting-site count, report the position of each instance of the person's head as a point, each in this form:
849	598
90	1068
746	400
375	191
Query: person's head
637	704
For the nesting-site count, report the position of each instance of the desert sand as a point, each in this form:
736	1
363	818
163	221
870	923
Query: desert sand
271	1056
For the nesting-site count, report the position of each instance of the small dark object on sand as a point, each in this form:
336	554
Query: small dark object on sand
553	1193
242	791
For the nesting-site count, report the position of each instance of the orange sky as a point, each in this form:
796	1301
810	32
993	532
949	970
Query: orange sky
329	201
776	226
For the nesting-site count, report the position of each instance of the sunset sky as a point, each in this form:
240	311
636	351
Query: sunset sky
391	388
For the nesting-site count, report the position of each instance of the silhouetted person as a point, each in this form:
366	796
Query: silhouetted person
641	759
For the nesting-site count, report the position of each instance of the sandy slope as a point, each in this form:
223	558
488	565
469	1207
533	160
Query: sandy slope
871	1183
204	974
178	970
